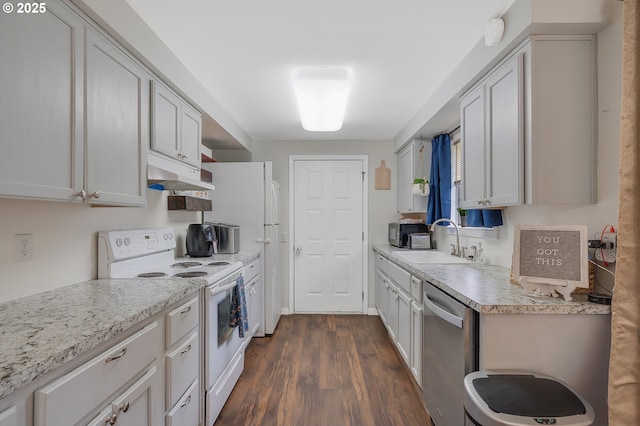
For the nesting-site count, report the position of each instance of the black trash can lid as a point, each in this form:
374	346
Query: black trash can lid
527	395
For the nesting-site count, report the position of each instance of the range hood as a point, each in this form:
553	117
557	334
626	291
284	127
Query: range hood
165	174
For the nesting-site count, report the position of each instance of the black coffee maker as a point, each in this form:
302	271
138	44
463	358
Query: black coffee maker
201	240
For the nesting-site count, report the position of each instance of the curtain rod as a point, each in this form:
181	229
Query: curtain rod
429	139
451	131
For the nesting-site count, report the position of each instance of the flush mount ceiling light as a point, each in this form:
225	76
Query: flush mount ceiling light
493	32
322	94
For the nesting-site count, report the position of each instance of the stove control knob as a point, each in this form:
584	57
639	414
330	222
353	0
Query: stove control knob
119	242
127	241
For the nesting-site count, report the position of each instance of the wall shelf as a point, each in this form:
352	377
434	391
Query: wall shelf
184	202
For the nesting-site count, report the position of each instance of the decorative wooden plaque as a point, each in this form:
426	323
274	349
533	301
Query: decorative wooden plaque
554	255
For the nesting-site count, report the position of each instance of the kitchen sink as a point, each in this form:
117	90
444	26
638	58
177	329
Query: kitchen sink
427	256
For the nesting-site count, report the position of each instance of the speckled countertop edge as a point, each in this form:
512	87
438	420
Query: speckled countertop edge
41	332
487	290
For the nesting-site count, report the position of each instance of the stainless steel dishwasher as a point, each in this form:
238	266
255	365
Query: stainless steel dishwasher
449	353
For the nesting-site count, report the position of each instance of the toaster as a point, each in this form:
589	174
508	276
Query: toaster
228	237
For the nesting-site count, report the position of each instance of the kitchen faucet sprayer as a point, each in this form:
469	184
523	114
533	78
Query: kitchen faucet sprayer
444	219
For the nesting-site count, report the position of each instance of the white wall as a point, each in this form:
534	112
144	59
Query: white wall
382	203
595	216
65	239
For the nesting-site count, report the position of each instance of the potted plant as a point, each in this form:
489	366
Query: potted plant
463	216
421	187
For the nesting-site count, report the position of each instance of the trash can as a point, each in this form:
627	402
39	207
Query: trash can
514	398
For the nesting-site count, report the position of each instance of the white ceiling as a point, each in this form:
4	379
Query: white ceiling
243	52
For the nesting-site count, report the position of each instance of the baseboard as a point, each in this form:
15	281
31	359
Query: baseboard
372	311
284	311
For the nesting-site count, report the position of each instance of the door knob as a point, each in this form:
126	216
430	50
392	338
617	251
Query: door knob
298	250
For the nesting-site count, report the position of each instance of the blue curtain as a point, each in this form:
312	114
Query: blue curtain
439	204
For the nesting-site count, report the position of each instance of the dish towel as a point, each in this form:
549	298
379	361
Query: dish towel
484	218
239	317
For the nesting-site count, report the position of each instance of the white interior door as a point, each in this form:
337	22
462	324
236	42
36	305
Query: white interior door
328	236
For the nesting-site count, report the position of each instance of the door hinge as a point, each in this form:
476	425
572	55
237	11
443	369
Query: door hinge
363	296
362	175
362	235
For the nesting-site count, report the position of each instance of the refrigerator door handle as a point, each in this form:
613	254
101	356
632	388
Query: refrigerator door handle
263	240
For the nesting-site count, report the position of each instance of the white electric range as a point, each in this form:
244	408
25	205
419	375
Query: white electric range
150	254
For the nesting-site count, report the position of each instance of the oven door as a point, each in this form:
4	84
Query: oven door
222	342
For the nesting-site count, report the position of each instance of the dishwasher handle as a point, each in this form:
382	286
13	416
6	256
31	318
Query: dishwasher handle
452	319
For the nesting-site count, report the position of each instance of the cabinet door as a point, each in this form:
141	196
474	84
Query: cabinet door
138	405
117	125
472	127
416	342
405	180
381	295
392	310
8	417
186	411
102	419
191	139
41	104
255	305
504	158
404	326
165	115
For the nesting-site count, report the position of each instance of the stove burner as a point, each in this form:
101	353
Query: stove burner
151	275
191	274
219	263
185	264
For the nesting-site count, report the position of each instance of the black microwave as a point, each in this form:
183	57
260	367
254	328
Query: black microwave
399	232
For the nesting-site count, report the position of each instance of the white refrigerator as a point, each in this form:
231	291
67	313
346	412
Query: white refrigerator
247	196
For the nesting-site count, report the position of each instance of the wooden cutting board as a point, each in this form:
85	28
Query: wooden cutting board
383	177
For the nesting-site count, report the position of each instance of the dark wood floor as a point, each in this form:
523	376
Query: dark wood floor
324	370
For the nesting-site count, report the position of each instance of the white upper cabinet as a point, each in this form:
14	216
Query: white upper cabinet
176	126
117	125
74	114
492	139
529	127
414	160
41	82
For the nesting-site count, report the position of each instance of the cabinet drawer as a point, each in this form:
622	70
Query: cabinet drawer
416	289
381	263
186	411
66	400
182	368
251	270
181	320
400	276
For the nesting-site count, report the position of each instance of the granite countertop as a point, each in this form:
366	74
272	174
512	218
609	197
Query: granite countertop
41	332
487	290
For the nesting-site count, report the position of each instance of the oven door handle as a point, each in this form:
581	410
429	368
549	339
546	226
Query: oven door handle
219	289
452	319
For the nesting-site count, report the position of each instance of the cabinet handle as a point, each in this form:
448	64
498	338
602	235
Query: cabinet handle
82	194
186	310
124	407
185	350
120	355
184	404
111	420
94	195
479	202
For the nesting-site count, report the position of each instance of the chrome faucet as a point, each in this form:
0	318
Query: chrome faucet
444	219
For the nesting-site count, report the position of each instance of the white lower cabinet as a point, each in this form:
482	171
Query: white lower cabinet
9	417
399	304
404	325
67	400
416	342
149	375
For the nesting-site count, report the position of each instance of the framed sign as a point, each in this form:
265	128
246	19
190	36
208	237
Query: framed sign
551	258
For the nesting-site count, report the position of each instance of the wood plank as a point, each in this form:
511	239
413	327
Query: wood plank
183	202
324	370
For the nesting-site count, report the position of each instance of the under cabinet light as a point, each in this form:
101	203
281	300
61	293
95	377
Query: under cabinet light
322	94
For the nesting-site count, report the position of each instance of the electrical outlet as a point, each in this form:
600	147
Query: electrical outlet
23	247
607	255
